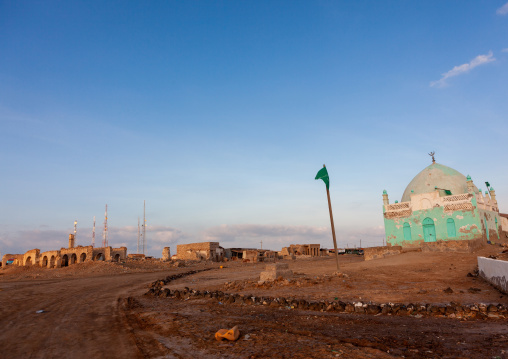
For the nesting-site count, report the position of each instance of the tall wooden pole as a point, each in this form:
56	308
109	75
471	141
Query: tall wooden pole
333	228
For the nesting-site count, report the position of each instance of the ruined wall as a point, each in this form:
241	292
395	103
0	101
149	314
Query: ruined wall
251	255
494	271
197	251
302	250
75	255
381	252
50	259
31	257
16	258
117	254
490	224
503	223
166	254
466	246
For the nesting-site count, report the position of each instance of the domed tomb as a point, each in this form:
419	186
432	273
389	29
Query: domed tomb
437	175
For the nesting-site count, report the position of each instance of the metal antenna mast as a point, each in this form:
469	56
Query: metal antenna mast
75	229
138	235
105	234
93	232
144	228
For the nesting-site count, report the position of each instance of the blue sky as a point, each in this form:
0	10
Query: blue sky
220	113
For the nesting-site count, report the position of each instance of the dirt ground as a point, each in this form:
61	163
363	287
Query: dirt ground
98	310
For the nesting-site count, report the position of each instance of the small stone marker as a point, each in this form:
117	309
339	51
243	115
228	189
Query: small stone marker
275	271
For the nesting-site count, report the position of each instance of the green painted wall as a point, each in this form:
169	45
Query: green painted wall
467	225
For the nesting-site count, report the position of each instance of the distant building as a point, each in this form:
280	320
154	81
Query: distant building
442	208
65	256
200	251
312	250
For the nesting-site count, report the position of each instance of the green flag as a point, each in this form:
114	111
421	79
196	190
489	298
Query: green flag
323	174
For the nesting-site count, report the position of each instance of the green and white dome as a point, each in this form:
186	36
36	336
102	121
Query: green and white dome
436	176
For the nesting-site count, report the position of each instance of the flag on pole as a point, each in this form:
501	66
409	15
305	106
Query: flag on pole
323	174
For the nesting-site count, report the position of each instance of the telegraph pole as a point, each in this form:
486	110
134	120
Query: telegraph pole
138	236
144	227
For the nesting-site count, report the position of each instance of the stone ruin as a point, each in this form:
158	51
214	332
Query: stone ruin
275	271
166	254
65	256
312	250
200	251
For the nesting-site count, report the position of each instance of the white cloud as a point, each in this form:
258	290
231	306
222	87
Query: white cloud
503	10
504	50
464	68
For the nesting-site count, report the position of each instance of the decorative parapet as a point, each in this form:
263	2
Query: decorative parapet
458	197
396	210
459	202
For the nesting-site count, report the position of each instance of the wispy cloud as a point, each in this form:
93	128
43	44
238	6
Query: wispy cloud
464	68
503	10
278	236
273	233
504	50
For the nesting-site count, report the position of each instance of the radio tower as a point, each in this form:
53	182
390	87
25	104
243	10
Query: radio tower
138	235
75	230
105	234
93	232
144	228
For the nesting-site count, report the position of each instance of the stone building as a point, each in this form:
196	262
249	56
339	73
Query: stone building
200	251
65	256
444	210
312	250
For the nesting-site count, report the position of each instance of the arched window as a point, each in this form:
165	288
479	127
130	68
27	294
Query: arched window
450	227
407	232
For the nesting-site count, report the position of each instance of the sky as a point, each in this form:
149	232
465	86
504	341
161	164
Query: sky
219	114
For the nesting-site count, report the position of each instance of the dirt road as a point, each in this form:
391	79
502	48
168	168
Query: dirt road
81	317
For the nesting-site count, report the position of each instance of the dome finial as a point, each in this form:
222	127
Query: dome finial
432	155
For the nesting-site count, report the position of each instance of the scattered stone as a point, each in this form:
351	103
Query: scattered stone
448	290
474	290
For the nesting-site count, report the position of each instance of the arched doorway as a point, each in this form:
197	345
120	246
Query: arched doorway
99	257
450	228
45	261
28	261
117	258
429	230
65	260
407	232
74	258
82	257
52	262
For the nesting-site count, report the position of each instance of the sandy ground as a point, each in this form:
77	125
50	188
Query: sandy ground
98	310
